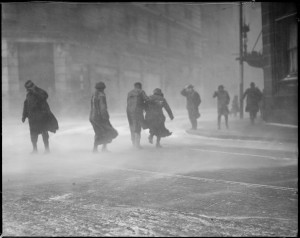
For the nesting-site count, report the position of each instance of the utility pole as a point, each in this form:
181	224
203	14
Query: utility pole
241	62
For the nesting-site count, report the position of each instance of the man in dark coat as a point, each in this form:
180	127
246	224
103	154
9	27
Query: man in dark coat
99	118
136	101
223	101
193	101
254	96
41	119
155	117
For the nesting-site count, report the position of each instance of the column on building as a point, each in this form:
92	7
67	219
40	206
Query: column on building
60	67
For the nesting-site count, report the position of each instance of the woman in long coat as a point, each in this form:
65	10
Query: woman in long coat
99	118
41	119
155	118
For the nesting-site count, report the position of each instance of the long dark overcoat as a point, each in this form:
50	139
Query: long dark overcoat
254	96
155	118
38	112
136	101
99	118
193	101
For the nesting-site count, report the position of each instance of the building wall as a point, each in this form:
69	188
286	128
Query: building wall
281	89
220	27
159	45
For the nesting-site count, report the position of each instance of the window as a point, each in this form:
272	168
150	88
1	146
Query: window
293	49
187	13
152	31
131	25
286	45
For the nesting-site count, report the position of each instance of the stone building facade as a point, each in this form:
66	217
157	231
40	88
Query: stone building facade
280	50
66	48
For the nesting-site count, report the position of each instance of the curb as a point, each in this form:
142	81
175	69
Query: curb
239	137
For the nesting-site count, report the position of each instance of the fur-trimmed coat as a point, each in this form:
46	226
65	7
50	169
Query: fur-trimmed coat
99	118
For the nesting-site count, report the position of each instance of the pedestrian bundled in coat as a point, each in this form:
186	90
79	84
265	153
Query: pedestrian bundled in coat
235	106
155	118
193	101
223	101
99	118
254	96
41	119
136	103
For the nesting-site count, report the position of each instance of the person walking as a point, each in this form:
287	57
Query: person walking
254	96
155	118
193	101
235	106
136	102
40	118
223	101
99	118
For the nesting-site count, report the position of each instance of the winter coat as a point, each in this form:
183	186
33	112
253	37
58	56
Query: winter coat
38	112
193	101
99	118
136	102
223	101
155	118
254	96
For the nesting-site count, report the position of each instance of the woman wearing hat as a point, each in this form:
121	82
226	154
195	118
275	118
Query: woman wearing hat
99	118
155	118
40	118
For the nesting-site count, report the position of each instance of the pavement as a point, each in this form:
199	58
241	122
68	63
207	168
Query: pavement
242	129
193	186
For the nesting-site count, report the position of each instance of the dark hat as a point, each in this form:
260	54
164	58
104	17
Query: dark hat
158	91
138	85
29	84
190	86
100	85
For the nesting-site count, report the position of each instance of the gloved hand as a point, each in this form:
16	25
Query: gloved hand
23	119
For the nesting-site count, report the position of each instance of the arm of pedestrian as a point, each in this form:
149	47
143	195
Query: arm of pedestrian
25	111
168	109
215	94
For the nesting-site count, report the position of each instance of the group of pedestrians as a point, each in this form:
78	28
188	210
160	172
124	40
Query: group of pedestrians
143	112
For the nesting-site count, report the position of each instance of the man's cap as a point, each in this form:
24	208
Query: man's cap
157	91
100	85
138	84
29	84
190	86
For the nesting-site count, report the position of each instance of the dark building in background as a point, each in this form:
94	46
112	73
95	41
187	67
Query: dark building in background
280	50
66	47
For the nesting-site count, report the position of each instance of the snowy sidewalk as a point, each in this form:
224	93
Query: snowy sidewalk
242	129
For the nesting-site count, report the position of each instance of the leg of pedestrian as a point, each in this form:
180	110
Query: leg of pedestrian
150	138
45	136
34	139
158	145
219	122
226	121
